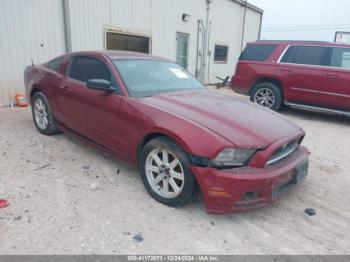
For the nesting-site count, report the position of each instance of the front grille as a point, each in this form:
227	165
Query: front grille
283	152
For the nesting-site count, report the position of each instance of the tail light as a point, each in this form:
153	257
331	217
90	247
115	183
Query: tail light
237	68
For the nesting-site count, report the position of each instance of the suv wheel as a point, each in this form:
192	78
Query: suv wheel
42	116
268	95
165	172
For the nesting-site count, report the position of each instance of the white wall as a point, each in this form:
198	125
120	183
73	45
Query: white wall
227	24
227	21
161	19
25	25
31	29
167	21
252	26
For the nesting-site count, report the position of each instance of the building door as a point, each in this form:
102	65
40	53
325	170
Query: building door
182	49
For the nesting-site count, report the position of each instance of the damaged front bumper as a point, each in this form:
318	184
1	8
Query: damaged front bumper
240	189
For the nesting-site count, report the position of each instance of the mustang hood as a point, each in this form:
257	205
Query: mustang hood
242	123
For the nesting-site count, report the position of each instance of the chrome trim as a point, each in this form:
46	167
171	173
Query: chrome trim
285	154
282	55
318	108
319	92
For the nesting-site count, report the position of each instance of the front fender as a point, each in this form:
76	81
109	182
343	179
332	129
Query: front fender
141	120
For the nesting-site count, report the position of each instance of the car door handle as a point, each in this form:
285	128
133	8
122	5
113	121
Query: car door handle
286	70
331	75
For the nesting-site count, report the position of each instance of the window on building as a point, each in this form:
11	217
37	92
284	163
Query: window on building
340	57
117	41
260	52
305	55
221	53
86	68
56	64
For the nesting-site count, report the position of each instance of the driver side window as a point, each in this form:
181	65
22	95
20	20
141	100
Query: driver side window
86	68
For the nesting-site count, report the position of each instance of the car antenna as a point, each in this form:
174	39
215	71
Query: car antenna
31	60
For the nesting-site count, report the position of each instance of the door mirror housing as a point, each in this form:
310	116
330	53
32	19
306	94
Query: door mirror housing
100	85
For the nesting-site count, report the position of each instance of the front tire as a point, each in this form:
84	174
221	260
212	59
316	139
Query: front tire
267	95
42	115
164	168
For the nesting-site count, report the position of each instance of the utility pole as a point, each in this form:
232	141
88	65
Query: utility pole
205	44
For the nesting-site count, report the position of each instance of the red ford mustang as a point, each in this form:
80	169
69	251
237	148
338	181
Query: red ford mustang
150	112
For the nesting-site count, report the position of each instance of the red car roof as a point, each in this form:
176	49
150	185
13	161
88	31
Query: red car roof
120	55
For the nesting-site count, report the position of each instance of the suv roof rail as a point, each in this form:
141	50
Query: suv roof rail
294	41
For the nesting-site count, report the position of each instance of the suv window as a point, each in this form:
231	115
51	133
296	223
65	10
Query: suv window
304	55
289	55
56	64
340	57
86	68
257	52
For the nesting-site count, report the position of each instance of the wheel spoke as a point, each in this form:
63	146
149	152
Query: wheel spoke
174	186
157	180
41	106
157	159
37	107
165	157
176	175
153	169
45	121
166	186
41	123
174	163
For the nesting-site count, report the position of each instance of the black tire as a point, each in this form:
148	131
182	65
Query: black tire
274	89
189	189
51	128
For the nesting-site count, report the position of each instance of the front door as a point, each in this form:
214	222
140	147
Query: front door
91	113
182	49
301	72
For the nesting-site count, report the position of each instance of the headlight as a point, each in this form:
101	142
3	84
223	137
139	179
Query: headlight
233	157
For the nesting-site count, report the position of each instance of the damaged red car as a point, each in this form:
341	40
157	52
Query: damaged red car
183	138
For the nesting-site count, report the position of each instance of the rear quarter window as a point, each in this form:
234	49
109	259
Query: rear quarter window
305	55
56	64
255	52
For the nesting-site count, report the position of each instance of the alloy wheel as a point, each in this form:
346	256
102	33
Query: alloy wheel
164	173
40	114
265	97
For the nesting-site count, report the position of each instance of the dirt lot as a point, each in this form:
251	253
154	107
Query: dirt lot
53	209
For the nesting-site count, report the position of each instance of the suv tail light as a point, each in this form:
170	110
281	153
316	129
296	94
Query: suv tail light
237	68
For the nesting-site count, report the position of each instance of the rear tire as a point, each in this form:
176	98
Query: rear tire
42	115
165	172
267	95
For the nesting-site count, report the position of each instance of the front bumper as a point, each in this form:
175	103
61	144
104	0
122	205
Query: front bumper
226	191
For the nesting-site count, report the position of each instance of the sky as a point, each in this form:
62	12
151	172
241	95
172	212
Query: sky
303	19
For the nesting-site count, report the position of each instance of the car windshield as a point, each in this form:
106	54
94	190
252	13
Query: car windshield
151	77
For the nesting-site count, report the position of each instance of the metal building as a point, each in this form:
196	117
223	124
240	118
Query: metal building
204	36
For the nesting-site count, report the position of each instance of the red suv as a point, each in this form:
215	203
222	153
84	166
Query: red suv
311	75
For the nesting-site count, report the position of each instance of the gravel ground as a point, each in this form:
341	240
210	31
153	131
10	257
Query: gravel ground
54	210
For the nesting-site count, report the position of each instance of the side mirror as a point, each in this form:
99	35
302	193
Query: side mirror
100	85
